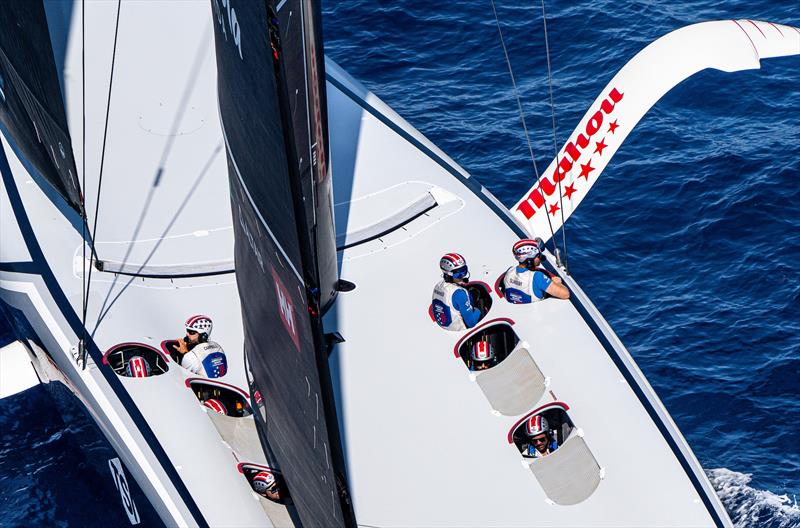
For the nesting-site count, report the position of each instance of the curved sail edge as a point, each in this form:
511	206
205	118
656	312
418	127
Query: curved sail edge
726	45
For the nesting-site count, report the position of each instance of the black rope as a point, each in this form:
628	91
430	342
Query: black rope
102	159
555	142
521	113
82	345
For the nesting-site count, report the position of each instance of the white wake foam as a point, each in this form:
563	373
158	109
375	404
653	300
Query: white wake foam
749	506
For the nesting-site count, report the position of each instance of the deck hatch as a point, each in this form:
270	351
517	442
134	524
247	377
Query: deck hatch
515	385
570	474
119	356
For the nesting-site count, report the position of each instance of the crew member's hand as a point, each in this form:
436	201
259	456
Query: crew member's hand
557	280
273	494
181	347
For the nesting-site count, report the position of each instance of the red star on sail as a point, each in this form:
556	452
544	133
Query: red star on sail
554	208
586	169
570	189
613	126
599	146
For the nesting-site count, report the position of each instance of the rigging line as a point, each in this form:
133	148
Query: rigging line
555	142
85	303
194	72
521	112
103	150
195	185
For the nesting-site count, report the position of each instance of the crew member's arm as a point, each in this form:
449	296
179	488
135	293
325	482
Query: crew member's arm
469	313
552	286
557	289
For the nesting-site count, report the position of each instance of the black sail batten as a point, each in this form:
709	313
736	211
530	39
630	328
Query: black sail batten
31	103
276	260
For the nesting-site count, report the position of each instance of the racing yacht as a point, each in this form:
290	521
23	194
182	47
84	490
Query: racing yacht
230	170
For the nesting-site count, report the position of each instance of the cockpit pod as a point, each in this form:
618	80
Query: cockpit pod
229	409
502	366
267	482
168	346
220	398
567	470
135	360
481	295
215	364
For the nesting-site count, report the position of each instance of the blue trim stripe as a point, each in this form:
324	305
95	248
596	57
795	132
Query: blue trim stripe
473	185
41	267
29	268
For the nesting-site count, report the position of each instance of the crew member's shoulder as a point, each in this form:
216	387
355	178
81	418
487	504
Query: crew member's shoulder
209	346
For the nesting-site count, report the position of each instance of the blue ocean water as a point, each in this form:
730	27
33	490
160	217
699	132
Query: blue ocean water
688	244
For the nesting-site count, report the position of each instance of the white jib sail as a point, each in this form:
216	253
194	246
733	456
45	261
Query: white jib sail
727	45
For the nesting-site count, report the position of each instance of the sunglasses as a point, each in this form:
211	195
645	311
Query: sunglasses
191	332
540	440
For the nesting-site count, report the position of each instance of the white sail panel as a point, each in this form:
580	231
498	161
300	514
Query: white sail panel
729	45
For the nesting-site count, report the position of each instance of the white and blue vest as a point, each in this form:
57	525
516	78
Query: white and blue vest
519	286
445	313
206	359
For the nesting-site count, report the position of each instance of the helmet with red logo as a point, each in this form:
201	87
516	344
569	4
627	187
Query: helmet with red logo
201	324
536	425
527	249
137	367
263	482
482	351
215	405
454	265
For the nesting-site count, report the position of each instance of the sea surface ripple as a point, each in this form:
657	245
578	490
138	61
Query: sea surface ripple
688	244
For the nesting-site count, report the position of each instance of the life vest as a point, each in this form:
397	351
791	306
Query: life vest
445	313
206	359
519	286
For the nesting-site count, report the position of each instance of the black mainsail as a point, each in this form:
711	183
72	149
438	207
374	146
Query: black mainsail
31	106
284	239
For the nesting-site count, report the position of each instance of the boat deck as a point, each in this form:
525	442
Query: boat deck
422	442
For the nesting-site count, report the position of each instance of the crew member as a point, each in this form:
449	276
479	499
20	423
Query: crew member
527	282
540	443
482	356
452	305
198	354
266	485
137	367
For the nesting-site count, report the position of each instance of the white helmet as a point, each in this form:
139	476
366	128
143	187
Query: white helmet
263	482
454	265
527	249
201	324
536	425
482	351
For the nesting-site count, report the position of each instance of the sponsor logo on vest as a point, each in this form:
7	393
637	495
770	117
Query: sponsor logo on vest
124	492
572	153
